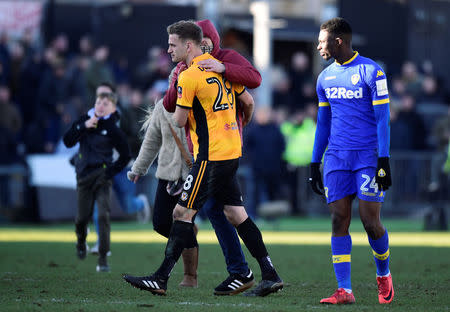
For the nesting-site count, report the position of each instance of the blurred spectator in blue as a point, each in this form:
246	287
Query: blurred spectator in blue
408	133
157	91
34	72
407	126
29	81
121	70
5	58
133	116
299	74
412	78
157	66
17	61
10	125
99	71
86	46
77	76
60	44
28	43
52	96
264	146
430	91
307	95
281	95
440	139
124	94
4	79
397	90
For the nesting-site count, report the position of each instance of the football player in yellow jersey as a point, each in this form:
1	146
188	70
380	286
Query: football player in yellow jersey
208	103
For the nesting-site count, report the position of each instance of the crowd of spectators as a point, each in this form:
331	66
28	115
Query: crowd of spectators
42	90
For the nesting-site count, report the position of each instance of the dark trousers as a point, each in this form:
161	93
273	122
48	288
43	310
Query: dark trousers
92	188
225	232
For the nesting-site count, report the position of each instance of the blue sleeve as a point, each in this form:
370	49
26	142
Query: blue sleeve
382	117
376	79
322	133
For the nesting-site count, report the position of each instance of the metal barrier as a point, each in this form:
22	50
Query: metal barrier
408	196
13	191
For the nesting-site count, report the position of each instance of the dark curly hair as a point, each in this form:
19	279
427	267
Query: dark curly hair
337	27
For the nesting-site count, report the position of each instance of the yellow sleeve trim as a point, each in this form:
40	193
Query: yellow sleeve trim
341	258
381	256
239	93
324	104
378	102
182	106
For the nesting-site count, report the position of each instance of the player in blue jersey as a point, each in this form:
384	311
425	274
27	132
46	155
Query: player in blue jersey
353	121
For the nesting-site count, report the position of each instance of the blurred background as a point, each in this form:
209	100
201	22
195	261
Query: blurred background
53	53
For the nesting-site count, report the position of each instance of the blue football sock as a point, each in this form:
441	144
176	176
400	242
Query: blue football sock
380	249
341	248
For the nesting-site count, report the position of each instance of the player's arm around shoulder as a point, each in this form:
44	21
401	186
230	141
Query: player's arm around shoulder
239	69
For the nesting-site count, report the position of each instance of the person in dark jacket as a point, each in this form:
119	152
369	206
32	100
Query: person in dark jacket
266	163
97	133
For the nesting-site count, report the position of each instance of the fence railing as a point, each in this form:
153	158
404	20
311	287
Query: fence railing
408	196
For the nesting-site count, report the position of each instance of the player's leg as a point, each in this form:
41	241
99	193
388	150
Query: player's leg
227	237
227	191
252	238
190	263
370	201
103	198
340	189
162	223
182	234
341	247
163	209
240	276
85	204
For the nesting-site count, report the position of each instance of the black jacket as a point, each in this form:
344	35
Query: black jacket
96	146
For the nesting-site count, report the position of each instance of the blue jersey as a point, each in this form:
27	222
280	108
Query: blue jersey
351	90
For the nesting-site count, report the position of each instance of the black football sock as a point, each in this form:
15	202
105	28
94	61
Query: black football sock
181	235
252	238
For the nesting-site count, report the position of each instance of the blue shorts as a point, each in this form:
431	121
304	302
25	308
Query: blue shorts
351	172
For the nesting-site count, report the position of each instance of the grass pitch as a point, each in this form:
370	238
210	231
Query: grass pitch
38	275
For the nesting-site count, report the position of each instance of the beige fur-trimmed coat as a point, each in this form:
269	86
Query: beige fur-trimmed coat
159	141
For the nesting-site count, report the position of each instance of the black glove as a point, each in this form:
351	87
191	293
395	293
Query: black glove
383	174
316	178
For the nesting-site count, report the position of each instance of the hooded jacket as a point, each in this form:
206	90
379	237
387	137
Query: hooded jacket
237	68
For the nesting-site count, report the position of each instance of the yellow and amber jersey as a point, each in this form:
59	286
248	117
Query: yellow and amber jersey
212	117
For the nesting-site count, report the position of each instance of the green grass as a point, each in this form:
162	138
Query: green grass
44	276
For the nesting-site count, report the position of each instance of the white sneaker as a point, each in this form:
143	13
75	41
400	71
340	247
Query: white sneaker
94	250
143	216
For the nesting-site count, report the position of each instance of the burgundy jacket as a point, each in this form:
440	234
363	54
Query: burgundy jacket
237	69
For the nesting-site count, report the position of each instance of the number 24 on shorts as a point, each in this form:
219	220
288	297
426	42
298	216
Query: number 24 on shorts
373	185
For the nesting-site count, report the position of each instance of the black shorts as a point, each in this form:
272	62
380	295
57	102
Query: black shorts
211	178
